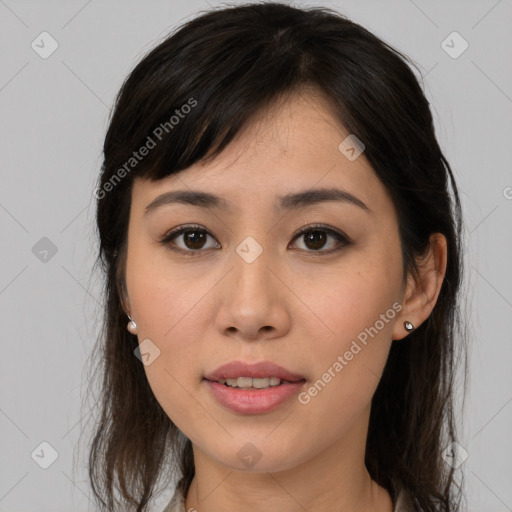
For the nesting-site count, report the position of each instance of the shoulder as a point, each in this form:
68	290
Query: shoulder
403	502
177	503
399	502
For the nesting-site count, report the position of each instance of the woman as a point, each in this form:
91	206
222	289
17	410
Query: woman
282	262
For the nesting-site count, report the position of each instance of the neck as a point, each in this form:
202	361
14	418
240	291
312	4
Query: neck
335	479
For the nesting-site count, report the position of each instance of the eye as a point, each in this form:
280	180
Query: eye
315	238
192	236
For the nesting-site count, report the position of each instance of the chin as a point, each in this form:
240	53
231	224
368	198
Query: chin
258	456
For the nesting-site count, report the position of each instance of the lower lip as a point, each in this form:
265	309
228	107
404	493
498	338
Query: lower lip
254	401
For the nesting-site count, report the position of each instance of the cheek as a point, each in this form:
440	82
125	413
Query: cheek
170	311
350	303
174	376
357	312
163	296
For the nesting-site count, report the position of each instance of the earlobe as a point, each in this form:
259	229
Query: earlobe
422	291
408	326
131	326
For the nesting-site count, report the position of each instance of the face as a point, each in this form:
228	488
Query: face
314	287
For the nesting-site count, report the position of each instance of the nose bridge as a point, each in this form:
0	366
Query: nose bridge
251	273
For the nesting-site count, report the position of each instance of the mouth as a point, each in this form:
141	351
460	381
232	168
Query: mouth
255	383
253	375
253	400
253	388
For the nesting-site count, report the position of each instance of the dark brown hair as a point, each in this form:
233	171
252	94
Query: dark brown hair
226	65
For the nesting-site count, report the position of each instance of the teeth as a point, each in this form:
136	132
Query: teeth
249	382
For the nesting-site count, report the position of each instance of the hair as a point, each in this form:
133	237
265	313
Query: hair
201	85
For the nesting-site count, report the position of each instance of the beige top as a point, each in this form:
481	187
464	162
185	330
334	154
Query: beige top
177	503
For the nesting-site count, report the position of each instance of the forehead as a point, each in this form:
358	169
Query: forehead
290	147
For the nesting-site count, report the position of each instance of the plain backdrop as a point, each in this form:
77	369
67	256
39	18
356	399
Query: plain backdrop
54	113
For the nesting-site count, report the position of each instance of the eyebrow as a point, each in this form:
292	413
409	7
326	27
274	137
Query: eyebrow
290	201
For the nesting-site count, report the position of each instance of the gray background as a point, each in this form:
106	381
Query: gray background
54	115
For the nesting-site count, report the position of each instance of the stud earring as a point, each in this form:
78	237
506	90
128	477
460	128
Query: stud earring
408	326
132	326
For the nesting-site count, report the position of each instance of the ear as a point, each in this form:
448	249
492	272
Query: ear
123	296
125	301
126	307
421	293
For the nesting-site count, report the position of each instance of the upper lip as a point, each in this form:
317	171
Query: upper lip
262	369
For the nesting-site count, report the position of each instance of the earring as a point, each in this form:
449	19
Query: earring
408	326
132	326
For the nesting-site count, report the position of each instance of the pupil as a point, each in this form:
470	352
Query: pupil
313	236
195	237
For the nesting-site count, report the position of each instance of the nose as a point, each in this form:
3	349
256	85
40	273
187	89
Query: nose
253	300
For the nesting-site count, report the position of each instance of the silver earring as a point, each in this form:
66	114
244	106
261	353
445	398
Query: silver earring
408	326
132	326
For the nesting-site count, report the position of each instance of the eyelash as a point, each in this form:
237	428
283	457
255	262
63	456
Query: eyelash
168	237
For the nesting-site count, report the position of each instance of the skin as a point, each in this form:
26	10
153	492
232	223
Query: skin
293	305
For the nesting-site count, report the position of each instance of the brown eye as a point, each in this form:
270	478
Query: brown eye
316	237
192	238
